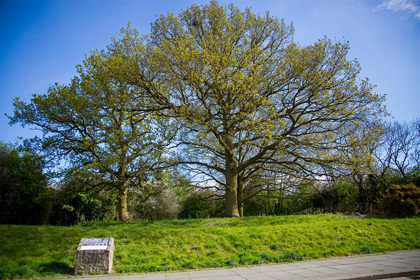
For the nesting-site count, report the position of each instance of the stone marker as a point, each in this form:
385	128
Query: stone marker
94	255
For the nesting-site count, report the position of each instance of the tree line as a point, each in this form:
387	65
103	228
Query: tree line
221	99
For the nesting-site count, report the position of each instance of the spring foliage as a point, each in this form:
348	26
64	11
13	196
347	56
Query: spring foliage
244	96
249	97
99	124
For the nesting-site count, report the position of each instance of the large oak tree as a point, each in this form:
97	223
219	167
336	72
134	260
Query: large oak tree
247	96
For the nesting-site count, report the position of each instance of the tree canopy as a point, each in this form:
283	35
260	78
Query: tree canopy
247	96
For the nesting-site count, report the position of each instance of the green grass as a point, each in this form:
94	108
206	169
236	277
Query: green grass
49	251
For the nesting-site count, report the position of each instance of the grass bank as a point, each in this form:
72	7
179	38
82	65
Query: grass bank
43	251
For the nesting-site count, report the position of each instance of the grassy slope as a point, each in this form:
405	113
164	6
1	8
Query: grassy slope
33	251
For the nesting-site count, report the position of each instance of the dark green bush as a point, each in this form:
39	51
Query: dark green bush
25	197
401	200
199	205
72	206
76	202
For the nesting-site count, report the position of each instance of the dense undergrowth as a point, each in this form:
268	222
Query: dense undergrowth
42	251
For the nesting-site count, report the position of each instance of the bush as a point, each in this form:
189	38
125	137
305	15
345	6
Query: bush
74	206
162	206
25	197
76	202
347	196
197	205
401	200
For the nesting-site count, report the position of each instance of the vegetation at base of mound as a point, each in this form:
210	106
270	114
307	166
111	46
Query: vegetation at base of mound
42	251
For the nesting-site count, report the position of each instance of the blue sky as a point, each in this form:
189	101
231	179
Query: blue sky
41	42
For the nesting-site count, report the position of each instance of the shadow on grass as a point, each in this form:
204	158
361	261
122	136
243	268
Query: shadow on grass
391	217
55	267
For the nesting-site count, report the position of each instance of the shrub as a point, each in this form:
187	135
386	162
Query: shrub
76	202
74	206
401	200
347	195
25	197
163	205
200	205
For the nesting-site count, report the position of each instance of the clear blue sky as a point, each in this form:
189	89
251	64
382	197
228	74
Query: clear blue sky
42	41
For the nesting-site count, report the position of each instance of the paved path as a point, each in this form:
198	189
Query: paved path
397	265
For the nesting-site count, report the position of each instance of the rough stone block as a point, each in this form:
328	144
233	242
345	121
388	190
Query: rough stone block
94	256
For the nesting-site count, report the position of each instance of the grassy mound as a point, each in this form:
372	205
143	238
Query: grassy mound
40	251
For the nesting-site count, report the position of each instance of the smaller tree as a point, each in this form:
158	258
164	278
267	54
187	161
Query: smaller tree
101	125
24	192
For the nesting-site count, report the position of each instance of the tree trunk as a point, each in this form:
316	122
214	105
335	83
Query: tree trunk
231	209
240	197
231	176
122	204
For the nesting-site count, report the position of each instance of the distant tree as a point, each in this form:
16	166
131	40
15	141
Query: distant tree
101	125
247	96
399	144
415	128
397	152
24	193
394	162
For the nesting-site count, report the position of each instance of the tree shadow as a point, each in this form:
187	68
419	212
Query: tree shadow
56	267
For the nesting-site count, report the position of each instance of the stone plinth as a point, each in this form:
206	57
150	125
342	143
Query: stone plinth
94	256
